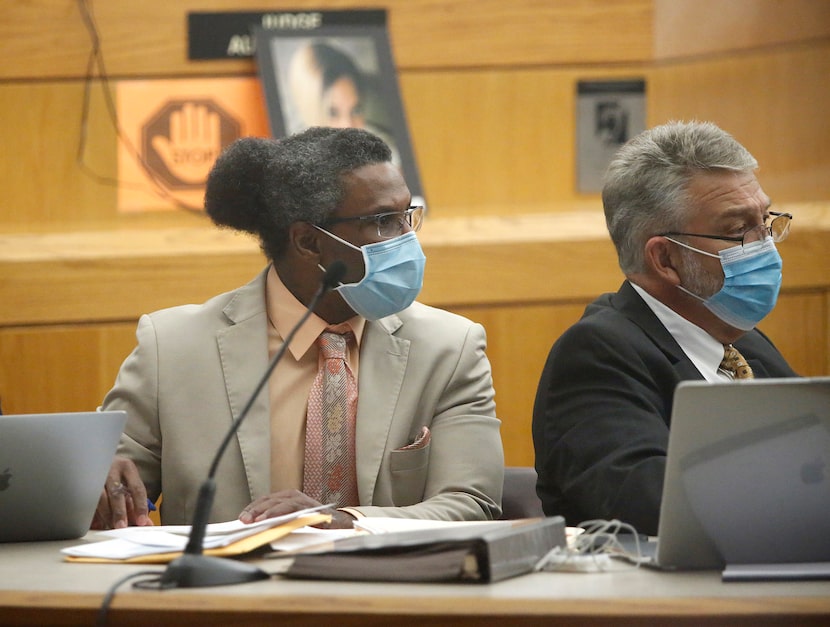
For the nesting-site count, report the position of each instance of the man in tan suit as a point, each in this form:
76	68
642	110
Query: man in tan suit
426	438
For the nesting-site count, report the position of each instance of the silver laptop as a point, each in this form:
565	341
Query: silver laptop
747	475
52	470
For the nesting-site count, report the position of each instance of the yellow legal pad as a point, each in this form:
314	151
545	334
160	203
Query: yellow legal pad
103	552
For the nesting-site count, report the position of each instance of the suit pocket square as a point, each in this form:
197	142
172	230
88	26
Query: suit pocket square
420	442
409	465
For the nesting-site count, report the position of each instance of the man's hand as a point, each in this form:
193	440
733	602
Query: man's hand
124	499
287	501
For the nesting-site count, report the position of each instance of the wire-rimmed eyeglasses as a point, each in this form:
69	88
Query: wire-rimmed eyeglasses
778	229
390	223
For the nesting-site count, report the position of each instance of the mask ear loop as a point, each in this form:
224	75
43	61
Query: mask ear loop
342	241
323	270
691	293
339	239
697	250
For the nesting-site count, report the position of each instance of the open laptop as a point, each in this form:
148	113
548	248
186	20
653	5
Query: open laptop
52	470
748	478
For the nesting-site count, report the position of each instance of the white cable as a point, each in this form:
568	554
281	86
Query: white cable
592	549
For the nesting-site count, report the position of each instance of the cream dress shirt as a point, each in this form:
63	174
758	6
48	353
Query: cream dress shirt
291	380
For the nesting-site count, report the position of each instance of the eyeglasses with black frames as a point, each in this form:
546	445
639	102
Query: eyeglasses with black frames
778	229
390	223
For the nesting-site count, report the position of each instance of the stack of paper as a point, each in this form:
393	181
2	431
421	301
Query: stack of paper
160	545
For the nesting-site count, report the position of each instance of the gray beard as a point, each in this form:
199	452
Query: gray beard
695	278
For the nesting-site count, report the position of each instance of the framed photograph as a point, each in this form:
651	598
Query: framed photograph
339	75
608	114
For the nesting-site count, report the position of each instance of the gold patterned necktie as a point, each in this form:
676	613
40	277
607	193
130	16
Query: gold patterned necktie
735	364
329	468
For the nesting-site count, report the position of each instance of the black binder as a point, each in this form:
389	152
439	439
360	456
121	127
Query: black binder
471	553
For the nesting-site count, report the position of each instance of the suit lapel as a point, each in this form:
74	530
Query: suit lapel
243	352
759	371
629	303
383	359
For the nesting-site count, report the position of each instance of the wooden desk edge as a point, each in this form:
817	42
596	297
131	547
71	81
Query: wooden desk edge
195	602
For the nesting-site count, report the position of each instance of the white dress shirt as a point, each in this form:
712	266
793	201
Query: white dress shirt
704	351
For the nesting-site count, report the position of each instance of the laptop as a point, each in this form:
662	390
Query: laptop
52	470
747	484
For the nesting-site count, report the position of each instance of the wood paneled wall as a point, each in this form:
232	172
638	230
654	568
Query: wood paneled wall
489	89
684	28
150	38
491	113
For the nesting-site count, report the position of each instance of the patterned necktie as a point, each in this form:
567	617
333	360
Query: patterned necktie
735	364
329	470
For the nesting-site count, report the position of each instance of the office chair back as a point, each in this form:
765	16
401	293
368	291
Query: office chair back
519	498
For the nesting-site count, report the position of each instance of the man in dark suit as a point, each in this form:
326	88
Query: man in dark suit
695	238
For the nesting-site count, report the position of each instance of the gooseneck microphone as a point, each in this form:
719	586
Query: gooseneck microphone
193	569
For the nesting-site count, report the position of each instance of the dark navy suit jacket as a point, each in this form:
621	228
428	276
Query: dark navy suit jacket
603	406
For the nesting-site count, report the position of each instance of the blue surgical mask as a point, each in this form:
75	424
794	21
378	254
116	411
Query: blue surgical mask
752	278
394	274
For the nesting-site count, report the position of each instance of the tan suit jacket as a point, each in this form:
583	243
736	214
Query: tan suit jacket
195	366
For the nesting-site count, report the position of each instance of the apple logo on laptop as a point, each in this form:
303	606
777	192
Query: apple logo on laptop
813	471
5	478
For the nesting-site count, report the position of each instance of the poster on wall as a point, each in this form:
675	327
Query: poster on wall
608	114
172	130
338	75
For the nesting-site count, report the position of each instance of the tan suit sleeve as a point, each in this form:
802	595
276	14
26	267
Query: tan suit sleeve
447	387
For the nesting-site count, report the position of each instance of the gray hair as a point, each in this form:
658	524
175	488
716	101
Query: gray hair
645	187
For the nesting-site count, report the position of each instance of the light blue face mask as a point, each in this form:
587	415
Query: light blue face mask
752	279
393	277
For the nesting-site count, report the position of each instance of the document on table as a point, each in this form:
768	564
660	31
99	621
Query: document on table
168	541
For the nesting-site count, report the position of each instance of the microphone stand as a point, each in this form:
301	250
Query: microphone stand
194	569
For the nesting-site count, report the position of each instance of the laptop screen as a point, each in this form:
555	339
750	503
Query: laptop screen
52	471
747	474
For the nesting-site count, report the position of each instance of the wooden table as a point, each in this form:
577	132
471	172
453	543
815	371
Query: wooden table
38	588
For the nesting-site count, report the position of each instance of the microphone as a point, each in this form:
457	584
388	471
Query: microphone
193	569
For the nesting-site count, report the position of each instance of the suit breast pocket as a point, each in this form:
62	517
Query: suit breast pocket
409	466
